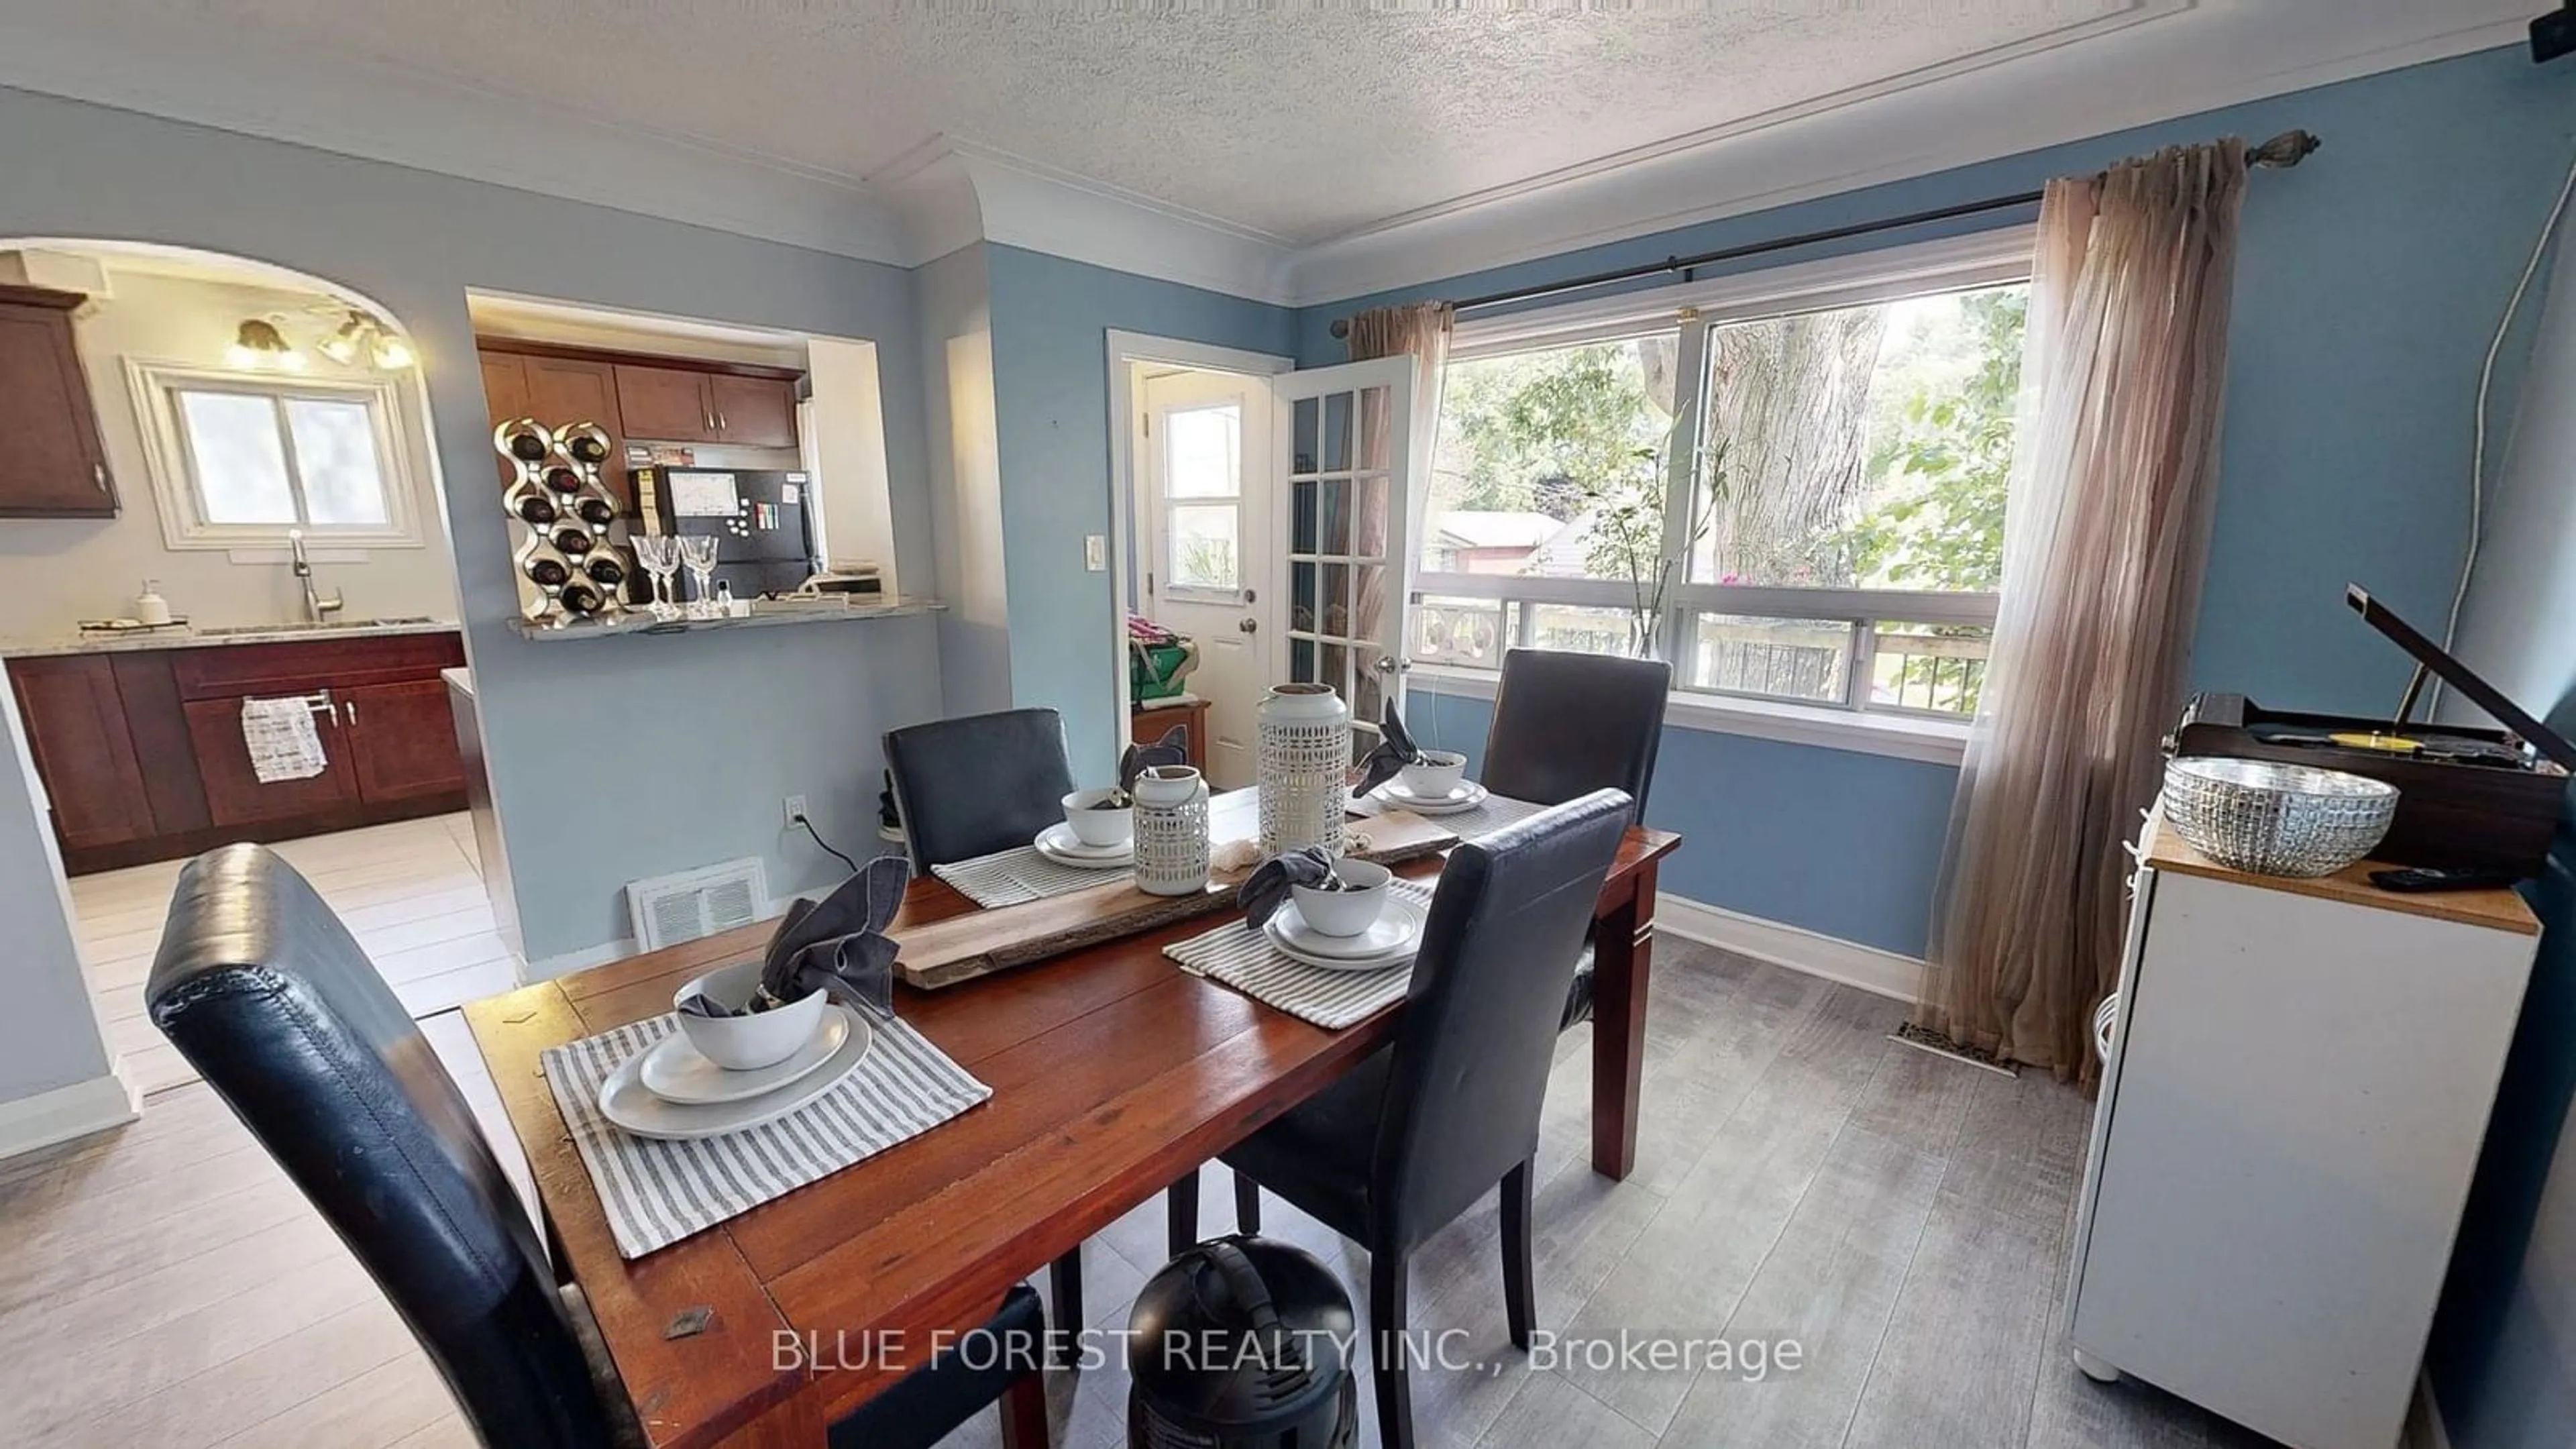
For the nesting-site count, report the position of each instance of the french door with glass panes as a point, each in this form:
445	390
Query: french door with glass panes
1343	438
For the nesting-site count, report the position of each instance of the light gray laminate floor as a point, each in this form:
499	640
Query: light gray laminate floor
411	892
1902	1217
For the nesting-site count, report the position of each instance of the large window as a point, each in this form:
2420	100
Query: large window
240	460
1793	489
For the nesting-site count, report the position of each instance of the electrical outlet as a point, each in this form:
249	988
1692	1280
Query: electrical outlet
796	810
1095	552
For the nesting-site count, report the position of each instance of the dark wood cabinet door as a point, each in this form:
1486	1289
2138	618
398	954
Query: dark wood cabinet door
234	794
51	462
75	724
563	390
402	740
755	412
665	405
505	392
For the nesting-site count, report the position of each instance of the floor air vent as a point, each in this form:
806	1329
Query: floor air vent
669	909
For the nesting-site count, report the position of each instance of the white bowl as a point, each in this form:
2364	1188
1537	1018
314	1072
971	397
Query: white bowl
1345	912
1440	772
1094	823
747	1043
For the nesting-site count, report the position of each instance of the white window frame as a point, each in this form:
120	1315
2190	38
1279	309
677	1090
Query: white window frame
1167	539
1985	259
184	525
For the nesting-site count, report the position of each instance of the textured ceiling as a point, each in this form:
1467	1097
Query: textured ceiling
1296	123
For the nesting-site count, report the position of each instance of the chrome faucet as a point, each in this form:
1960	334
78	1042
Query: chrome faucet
317	609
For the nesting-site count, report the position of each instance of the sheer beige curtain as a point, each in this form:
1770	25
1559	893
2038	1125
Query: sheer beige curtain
2107	533
1422	331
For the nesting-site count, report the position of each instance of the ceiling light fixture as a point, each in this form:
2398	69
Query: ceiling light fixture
257	343
363	334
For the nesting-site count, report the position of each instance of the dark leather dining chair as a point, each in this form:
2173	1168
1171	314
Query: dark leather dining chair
1415	1135
969	787
978	784
264	991
1566	724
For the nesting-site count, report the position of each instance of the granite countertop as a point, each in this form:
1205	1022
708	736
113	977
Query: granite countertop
641	622
144	640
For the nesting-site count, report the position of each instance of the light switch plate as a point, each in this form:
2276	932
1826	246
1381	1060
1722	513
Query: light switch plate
1095	552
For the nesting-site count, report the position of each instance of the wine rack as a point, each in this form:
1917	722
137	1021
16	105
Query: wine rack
568	566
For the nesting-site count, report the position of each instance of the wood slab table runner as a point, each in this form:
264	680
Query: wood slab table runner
979	943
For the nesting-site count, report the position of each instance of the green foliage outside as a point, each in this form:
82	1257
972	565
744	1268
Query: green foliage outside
1943	467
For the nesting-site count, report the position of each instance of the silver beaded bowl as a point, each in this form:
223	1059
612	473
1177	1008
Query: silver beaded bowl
2276	819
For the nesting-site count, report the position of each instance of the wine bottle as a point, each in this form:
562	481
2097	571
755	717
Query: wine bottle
579	598
563	480
573	539
535	508
587	447
604	569
596	511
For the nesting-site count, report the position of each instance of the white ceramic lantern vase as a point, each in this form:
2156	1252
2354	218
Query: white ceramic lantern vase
1305	760
1171	831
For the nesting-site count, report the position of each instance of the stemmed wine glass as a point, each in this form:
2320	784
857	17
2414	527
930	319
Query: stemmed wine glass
660	556
698	551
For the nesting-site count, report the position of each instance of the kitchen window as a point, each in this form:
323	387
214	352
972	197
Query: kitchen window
1789	483
237	461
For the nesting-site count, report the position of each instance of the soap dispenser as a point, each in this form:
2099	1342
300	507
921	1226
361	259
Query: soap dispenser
150	609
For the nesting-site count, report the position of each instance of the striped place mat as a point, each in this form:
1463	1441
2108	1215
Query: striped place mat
1018	876
657	1193
1491	814
1245	960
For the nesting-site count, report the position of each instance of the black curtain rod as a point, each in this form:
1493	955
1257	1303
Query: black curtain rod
2282	151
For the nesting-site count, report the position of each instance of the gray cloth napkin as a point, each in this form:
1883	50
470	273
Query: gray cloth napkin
1267	887
838	946
1395	750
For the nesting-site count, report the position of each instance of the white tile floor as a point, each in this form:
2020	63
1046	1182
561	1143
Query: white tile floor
411	892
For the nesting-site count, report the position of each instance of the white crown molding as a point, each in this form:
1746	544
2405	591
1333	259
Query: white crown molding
390	113
2043	97
2155	60
1041	208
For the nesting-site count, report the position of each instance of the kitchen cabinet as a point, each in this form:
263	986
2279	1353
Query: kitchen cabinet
558	391
678	405
234	792
402	741
55	466
141	751
75	723
753	412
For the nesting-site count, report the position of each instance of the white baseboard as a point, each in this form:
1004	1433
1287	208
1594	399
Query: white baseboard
2424	1428
1848	962
68	1112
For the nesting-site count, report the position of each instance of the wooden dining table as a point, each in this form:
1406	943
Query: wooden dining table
1114	1072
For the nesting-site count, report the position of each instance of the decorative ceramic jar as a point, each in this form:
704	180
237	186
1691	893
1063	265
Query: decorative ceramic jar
1304	765
1171	831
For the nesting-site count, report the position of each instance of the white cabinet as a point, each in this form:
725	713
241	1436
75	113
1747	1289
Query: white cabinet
2300	1079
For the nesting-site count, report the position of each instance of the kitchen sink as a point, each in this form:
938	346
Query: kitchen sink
397	621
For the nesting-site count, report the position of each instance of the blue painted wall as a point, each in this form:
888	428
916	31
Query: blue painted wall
1828	840
2504	1351
1051	319
687	744
2368	286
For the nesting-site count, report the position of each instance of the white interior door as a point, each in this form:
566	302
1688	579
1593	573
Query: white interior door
1206	544
1342	445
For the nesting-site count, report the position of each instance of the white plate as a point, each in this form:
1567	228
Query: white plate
1058	843
629	1104
1391	942
1397	928
675	1071
1466	797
